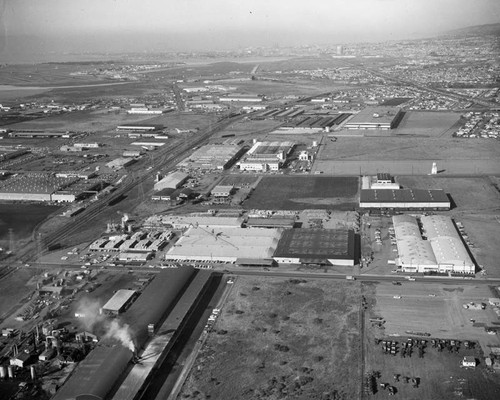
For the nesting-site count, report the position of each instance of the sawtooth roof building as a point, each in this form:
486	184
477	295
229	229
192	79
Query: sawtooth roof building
442	252
213	157
404	199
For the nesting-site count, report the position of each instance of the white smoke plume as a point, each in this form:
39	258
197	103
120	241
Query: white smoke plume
122	333
95	322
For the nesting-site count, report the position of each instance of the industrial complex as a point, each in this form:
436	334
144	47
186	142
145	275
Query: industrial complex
266	223
375	118
441	251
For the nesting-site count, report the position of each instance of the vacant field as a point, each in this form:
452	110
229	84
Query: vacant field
439	373
432	124
89	121
280	338
301	192
469	194
483	231
409	149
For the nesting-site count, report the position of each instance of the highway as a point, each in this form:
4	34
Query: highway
419	86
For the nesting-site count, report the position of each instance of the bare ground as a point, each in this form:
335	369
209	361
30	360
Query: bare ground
282	339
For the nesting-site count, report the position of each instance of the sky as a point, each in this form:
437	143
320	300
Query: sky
51	26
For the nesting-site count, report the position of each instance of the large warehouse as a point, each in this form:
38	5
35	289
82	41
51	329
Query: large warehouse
33	186
96	376
224	244
173	180
212	157
380	118
404	199
119	302
317	246
442	252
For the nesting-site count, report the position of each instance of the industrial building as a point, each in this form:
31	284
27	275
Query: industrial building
105	366
136	128
119	163
213	157
224	244
441	252
120	301
404	199
173	180
144	110
266	156
381	181
317	246
242	98
379	118
136	383
41	134
187	221
33	187
255	222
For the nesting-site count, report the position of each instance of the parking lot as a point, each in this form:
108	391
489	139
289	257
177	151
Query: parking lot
436	309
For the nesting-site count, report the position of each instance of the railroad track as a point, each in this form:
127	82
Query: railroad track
165	160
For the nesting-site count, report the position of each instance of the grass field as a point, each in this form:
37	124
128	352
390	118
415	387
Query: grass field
279	338
407	156
432	124
301	192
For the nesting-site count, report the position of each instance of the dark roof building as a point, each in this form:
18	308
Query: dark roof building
316	246
96	375
404	199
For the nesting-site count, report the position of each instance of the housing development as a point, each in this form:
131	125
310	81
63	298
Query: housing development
310	222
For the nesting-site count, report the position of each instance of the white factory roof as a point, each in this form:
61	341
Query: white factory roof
415	251
450	250
120	298
172	180
224	243
406	226
438	226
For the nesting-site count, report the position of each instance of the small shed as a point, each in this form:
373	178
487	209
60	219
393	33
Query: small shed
469	361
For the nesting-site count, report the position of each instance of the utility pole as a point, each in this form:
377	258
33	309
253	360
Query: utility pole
11	240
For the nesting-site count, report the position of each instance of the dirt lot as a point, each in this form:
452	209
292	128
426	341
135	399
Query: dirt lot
440	374
239	180
301	192
280	338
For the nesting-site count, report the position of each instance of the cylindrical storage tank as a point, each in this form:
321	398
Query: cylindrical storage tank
33	372
3	372
10	370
